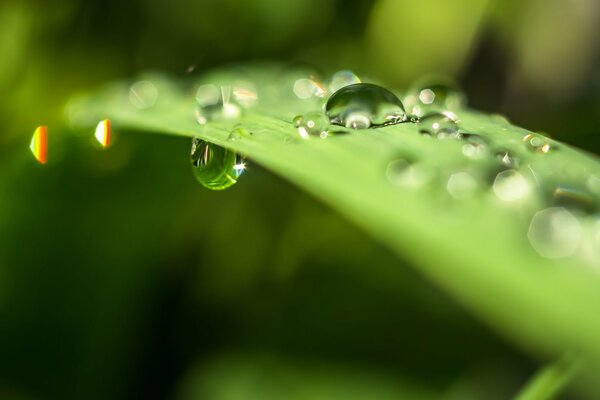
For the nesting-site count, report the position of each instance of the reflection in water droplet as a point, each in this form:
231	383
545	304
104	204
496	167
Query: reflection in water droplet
461	185
312	124
537	143
215	103
402	172
438	125
238	134
39	144
347	106
554	232
143	94
306	88
510	185
102	133
343	78
215	167
507	158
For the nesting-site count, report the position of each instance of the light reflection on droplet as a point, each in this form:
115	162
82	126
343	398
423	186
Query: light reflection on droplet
143	94
245	93
102	133
461	185
306	88
510	185
39	144
215	103
554	233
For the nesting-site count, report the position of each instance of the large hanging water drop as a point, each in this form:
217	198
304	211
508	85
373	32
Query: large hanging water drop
215	167
364	105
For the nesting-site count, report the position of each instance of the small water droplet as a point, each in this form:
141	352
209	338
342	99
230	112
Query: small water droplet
143	94
554	232
438	125
312	124
434	97
245	93
102	133
510	185
537	143
39	144
403	172
461	185
349	105
508	159
306	88
239	133
215	167
573	199
343	78
215	103
475	148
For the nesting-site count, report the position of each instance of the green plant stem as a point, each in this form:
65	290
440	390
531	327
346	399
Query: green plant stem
551	379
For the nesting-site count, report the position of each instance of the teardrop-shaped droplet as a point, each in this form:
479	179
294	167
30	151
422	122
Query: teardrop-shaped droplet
216	103
39	144
438	125
215	167
311	124
364	105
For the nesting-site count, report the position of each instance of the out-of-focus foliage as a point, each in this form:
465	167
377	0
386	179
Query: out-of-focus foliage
121	278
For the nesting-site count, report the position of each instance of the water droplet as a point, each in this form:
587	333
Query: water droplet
573	199
554	232
403	172
461	185
476	146
102	133
343	78
510	185
537	143
239	133
312	124
306	88
438	125
143	94
215	167
39	144
245	93
350	105
215	103
434	97
508	159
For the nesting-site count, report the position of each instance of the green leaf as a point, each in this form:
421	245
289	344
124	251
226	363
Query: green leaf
473	245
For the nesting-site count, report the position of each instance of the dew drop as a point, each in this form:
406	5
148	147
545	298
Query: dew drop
306	88
403	172
510	185
239	133
215	103
537	143
143	94
215	167
102	133
312	124
438	125
434	97
39	144
350	105
508	159
475	147
461	185
554	232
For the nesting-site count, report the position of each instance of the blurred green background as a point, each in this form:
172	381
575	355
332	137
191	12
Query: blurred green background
120	277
